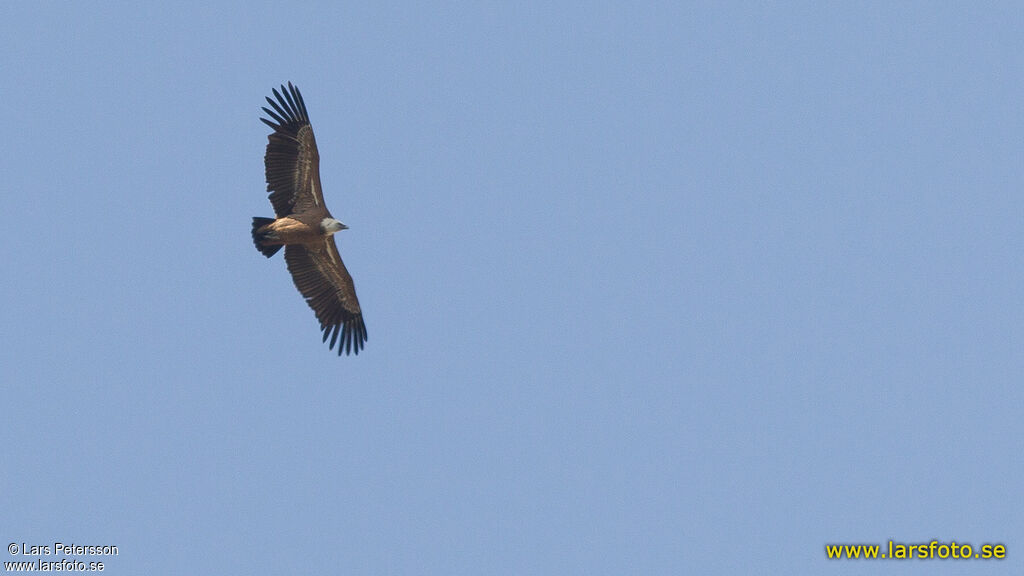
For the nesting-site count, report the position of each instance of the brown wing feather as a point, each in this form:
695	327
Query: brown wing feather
321	277
292	161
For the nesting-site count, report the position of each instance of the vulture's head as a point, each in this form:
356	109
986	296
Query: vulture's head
330	226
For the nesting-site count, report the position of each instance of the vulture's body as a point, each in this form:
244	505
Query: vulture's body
304	226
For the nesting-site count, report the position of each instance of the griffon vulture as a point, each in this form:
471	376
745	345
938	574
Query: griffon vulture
304	226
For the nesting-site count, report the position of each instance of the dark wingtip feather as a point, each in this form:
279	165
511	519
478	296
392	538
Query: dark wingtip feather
288	97
280	121
334	336
281	109
299	101
349	336
287	106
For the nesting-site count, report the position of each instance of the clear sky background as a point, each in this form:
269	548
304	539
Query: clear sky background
651	289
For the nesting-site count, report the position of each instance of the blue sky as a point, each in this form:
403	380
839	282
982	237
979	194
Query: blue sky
655	289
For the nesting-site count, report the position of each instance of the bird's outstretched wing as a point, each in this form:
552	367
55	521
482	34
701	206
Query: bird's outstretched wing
292	161
321	277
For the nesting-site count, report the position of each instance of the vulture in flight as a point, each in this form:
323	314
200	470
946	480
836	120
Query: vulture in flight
304	226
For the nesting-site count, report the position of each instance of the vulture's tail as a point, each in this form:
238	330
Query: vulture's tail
258	237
